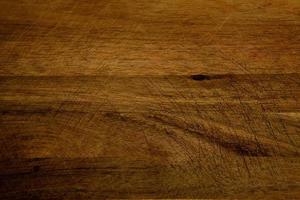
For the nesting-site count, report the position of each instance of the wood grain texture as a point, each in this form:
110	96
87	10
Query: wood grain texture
149	99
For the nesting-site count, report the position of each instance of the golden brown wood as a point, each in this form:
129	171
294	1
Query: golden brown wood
149	99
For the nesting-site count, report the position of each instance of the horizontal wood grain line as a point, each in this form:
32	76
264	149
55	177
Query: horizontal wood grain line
54	176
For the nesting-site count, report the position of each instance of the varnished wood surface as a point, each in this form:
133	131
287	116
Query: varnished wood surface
149	99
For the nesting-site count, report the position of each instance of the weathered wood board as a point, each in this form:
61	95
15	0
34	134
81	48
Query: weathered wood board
149	99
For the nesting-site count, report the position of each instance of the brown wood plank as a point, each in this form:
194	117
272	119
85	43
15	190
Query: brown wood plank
149	99
121	37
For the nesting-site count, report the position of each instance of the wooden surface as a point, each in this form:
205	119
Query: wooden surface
149	99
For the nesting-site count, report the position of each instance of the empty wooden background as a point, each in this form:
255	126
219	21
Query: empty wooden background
149	99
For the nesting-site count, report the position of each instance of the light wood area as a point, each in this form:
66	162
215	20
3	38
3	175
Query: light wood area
149	99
